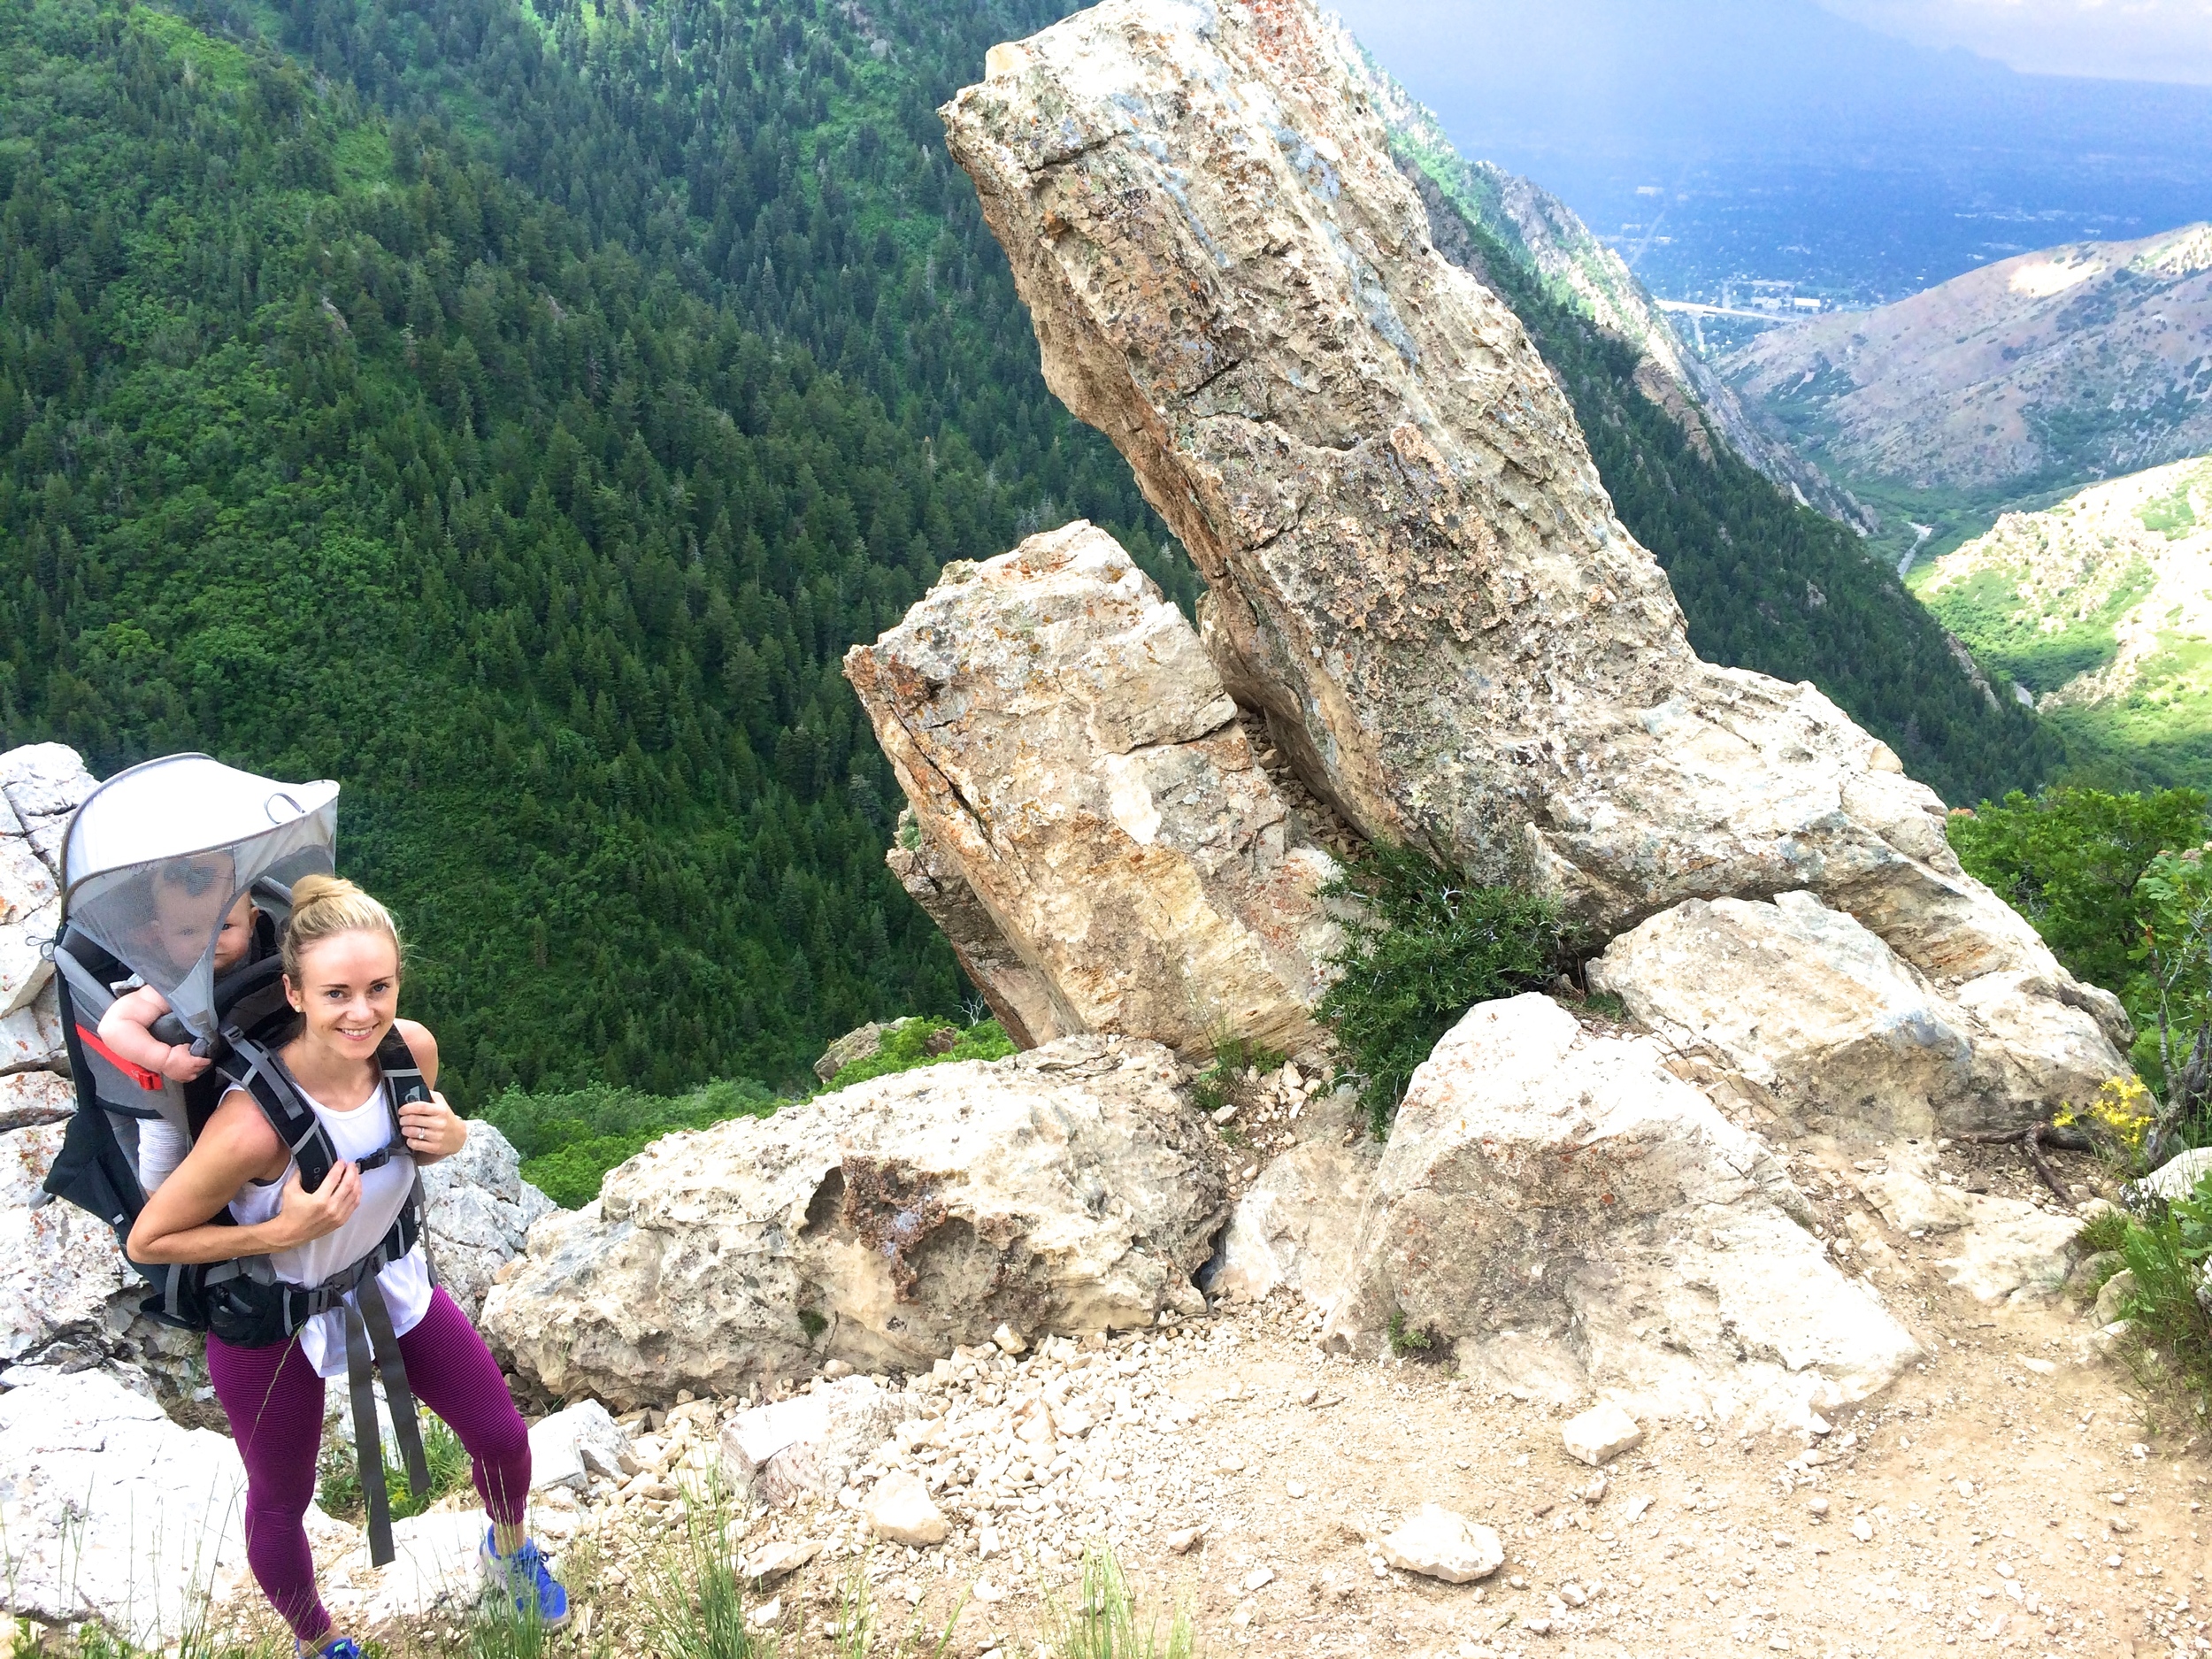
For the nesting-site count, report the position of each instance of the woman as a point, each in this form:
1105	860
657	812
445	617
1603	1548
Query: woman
341	965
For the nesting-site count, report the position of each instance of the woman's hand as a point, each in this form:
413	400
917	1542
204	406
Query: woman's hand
432	1130
304	1215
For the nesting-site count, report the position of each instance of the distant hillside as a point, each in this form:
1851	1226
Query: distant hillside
2102	607
1546	236
2052	369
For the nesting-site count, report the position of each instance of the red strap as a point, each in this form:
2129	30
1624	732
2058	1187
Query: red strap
153	1082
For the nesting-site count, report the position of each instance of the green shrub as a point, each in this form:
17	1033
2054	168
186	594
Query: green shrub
1222	1083
2166	1252
907	1045
1430	945
2106	1230
569	1141
338	1473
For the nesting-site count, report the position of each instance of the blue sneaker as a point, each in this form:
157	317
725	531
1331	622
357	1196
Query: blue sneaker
525	1575
331	1647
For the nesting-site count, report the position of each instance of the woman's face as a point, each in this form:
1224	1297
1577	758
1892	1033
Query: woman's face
348	992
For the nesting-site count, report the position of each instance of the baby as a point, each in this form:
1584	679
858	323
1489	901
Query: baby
126	1031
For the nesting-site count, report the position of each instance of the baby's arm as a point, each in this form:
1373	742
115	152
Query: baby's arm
128	1029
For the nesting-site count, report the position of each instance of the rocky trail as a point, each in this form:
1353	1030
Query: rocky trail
2018	1489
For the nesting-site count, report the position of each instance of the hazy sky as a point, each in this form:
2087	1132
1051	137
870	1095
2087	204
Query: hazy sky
2131	40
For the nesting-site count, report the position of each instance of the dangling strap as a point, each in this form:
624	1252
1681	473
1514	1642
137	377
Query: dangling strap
371	1345
408	1087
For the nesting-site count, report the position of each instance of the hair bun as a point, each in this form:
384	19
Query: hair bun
324	907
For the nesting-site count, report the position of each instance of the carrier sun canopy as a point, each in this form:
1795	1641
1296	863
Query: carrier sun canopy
157	854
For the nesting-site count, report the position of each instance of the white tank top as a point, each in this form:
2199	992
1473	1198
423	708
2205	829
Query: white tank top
384	1191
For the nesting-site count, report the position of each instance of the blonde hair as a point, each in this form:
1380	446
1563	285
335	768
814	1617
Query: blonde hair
323	907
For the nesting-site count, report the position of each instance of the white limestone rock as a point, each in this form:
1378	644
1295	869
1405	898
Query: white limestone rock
1576	1219
479	1210
809	1445
1597	1436
575	1443
1441	1543
899	1511
1060	734
1070	1189
1297	1226
2002	1250
2176	1178
29	1099
31	1038
113	1511
1849	1039
63	1283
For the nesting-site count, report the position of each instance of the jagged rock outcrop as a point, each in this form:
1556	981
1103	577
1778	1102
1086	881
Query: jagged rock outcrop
1574	1218
1069	1188
478	1210
1413	568
1063	737
1846	1038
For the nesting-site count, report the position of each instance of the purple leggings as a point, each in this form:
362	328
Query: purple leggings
274	1402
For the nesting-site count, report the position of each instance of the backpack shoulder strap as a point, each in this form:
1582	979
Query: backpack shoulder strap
397	1062
256	1070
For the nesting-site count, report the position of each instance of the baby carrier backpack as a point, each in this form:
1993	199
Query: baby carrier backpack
156	858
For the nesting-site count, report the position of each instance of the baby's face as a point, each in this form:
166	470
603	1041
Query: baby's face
236	938
182	919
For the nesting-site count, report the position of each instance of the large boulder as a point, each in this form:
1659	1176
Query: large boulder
1413	568
115	1512
1574	1218
1061	732
1848	1038
1070	1188
478	1210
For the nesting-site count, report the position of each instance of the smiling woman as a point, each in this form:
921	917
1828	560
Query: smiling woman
343	1242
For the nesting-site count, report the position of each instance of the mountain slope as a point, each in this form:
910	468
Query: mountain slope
2103	605
2049	369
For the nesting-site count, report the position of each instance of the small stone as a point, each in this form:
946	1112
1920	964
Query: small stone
1179	1541
1306	1395
766	1616
1574	1595
1226	1115
1295	1488
1862	1529
1964	1487
900	1512
1595	1491
1010	1339
1601	1434
1537	1626
1818	1425
836	1370
1258	1579
2117	1497
780	1558
1818	1506
1439	1543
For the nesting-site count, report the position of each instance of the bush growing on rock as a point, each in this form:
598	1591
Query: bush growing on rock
926	1040
1430	946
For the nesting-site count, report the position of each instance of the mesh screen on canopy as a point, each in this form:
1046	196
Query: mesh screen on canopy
158	856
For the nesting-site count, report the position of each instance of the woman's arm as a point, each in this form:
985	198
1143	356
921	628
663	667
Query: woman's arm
128	1029
238	1146
434	1130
